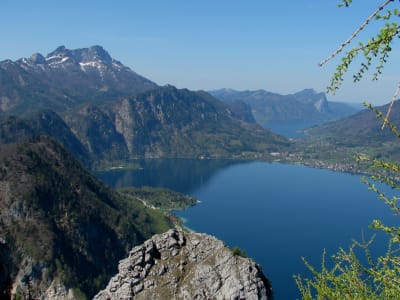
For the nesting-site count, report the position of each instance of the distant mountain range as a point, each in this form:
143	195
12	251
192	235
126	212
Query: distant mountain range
103	112
304	106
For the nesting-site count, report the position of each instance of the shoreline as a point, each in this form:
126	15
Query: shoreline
278	157
178	221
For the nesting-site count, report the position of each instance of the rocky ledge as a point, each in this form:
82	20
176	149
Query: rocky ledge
180	265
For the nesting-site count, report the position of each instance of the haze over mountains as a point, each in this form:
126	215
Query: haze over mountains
303	106
117	115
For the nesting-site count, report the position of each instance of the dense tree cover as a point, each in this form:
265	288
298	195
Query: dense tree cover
160	198
353	276
65	222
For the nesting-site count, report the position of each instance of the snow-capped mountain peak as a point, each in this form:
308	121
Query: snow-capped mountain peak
91	70
94	56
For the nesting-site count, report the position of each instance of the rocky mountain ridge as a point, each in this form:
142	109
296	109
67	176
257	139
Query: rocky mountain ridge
180	265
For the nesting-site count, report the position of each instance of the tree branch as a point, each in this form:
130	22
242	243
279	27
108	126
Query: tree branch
396	93
355	33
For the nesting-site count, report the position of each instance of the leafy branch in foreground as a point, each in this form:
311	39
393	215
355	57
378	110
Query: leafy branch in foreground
349	278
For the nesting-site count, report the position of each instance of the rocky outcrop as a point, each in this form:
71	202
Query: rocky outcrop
58	291
180	265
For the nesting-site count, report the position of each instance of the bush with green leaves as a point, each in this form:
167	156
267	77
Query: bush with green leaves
239	252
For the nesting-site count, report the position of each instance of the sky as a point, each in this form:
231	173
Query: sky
204	44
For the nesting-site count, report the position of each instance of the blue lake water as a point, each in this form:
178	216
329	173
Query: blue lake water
277	213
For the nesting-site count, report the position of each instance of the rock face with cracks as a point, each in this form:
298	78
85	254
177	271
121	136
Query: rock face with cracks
180	265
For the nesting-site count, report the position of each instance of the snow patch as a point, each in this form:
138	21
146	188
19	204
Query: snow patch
92	64
56	60
53	57
117	65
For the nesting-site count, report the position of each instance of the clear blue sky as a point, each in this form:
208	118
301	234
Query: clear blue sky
204	44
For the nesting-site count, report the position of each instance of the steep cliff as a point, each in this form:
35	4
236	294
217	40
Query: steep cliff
179	265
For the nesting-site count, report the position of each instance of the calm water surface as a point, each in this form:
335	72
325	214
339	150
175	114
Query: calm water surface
277	213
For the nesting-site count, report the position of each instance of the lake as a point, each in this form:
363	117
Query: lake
276	212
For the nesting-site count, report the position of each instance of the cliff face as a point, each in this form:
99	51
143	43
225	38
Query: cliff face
168	122
179	265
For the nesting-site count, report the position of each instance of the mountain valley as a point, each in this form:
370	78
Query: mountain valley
77	110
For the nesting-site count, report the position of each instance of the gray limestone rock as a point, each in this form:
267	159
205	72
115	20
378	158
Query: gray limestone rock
180	265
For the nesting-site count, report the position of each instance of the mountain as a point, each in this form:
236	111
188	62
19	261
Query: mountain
65	78
242	111
168	122
336	143
361	129
15	129
180	265
61	228
304	106
96	130
112	114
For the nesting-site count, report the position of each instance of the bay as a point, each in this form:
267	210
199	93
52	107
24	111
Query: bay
277	213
